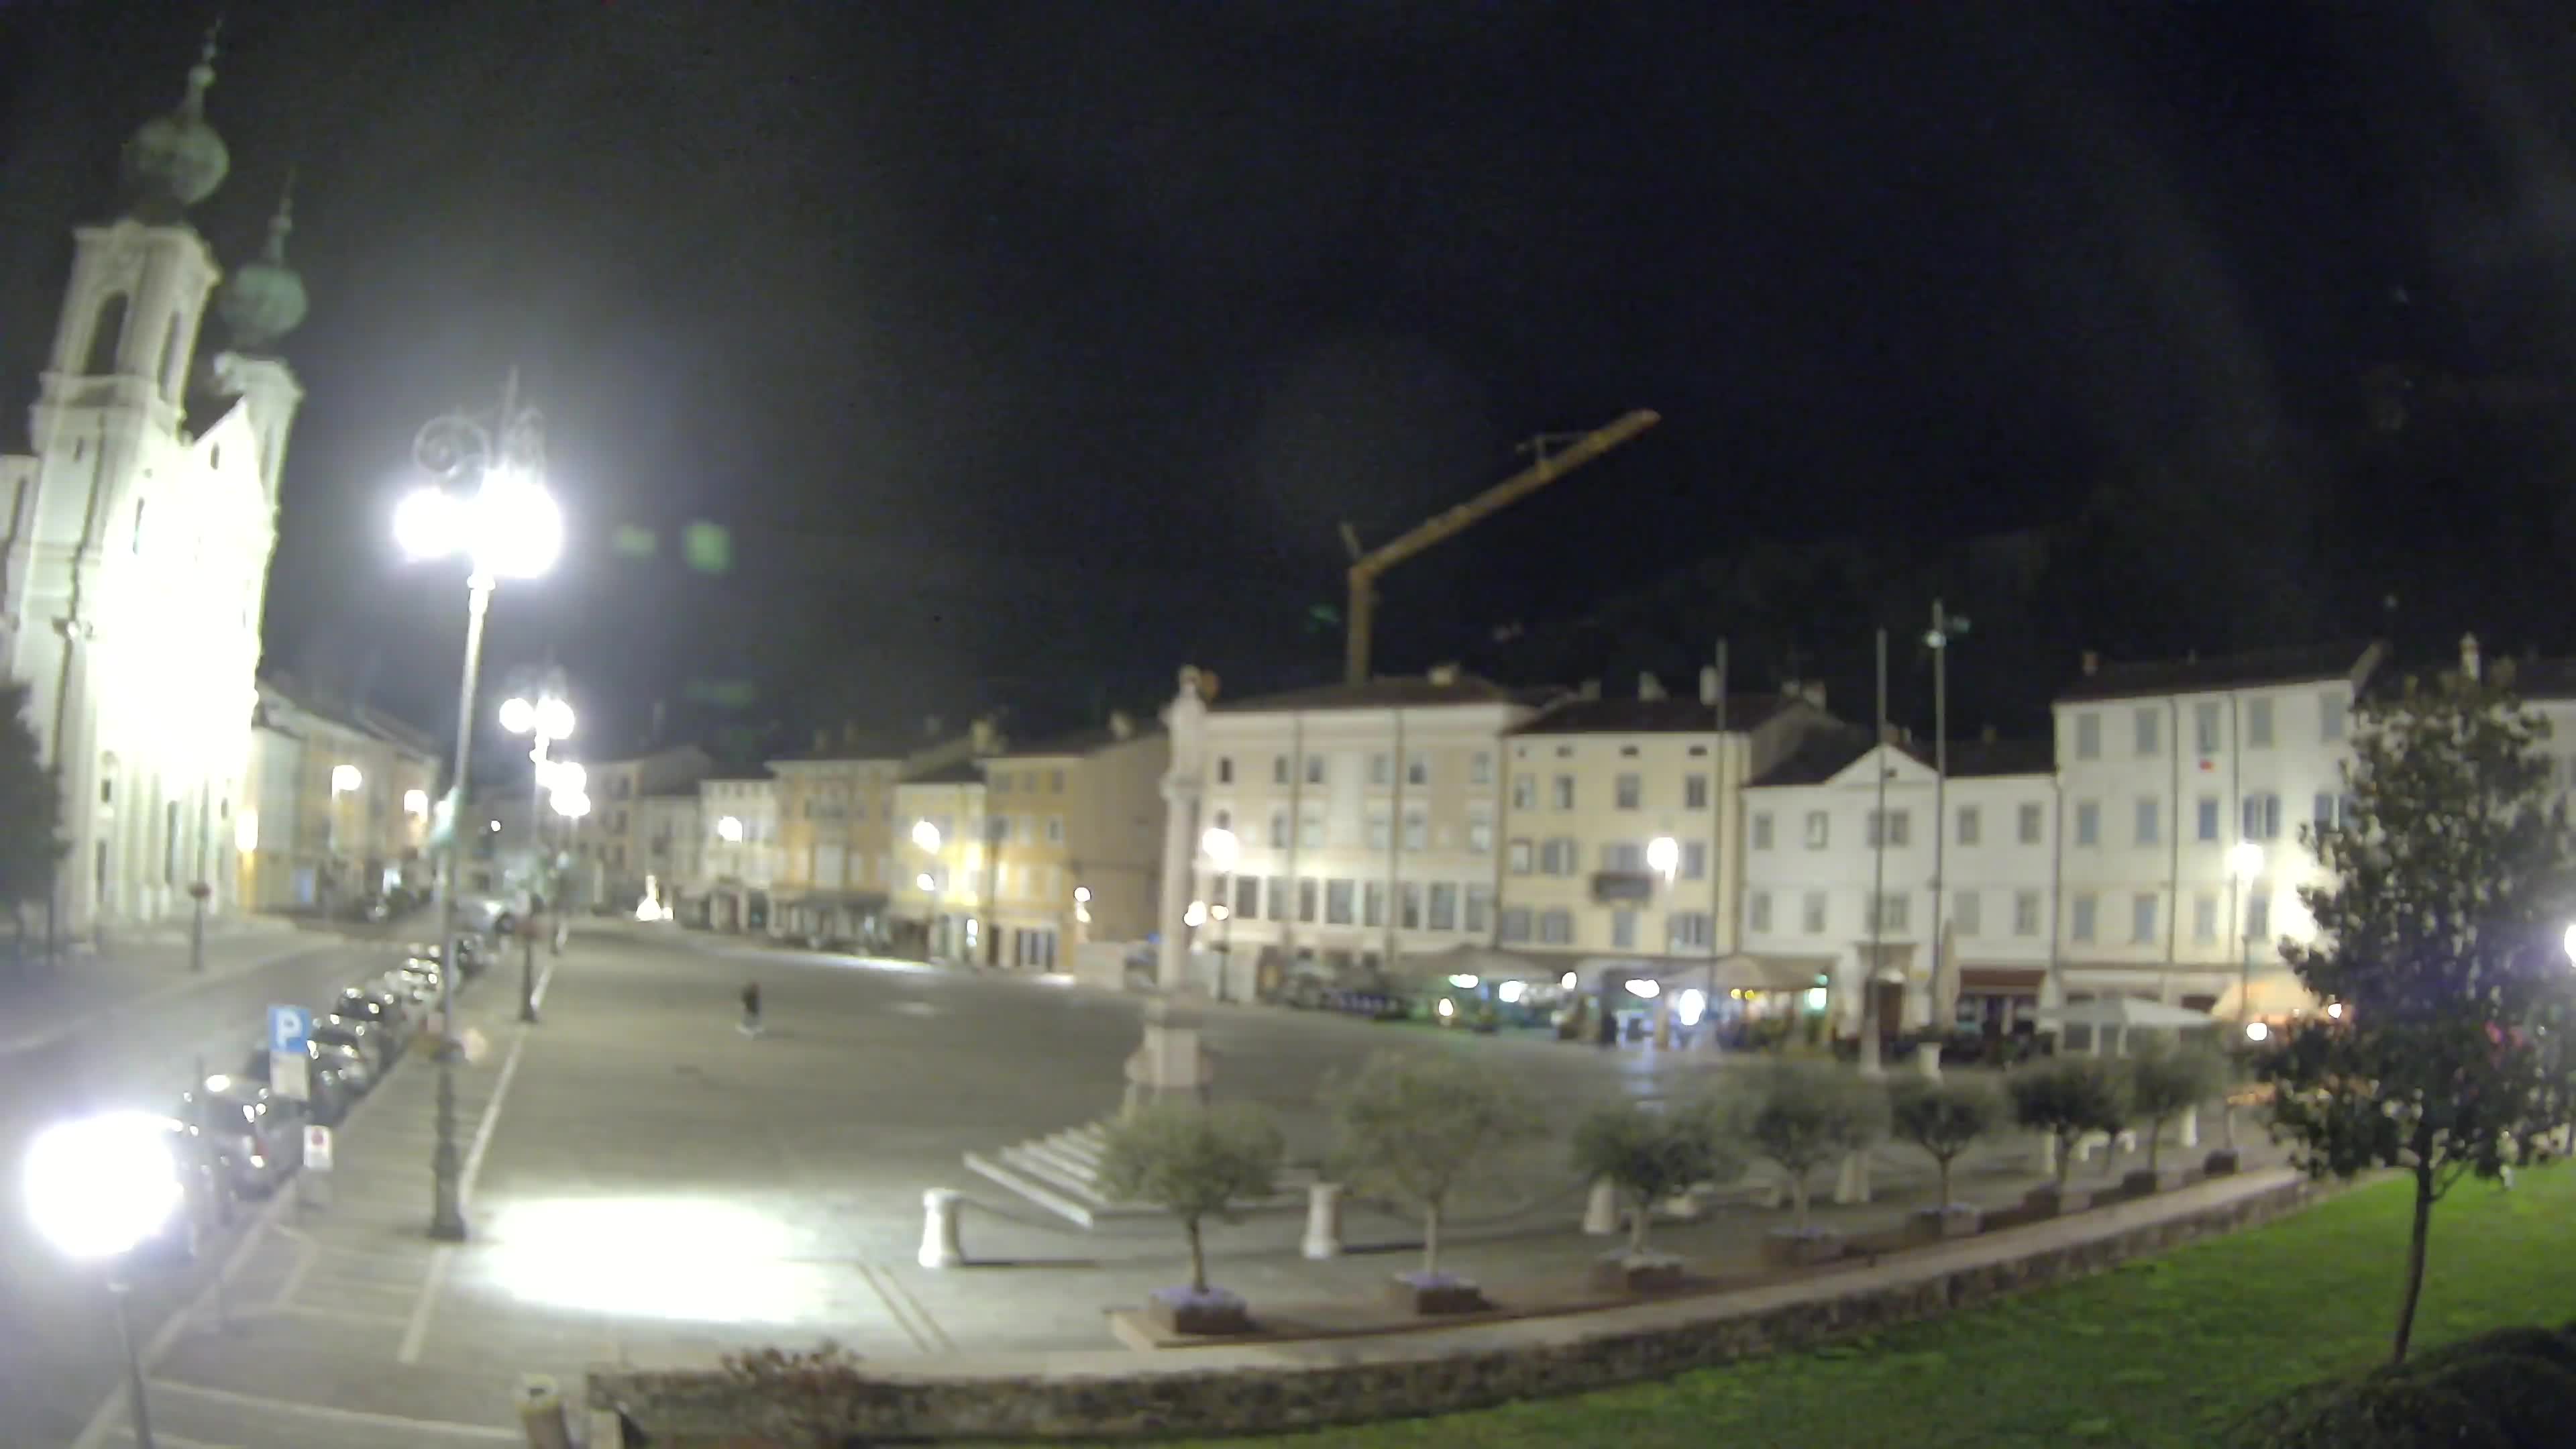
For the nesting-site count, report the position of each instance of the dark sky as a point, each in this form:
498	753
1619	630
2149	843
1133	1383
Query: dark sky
1025	350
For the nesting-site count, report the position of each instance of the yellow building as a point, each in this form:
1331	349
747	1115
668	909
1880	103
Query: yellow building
336	808
935	857
1077	826
838	839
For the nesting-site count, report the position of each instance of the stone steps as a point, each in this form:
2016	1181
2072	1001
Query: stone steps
1061	1173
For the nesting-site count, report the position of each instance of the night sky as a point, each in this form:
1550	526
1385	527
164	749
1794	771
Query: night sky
1024	351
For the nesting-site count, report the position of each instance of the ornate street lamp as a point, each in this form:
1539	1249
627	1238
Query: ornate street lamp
549	718
508	527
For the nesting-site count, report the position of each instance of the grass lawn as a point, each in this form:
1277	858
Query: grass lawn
2166	1351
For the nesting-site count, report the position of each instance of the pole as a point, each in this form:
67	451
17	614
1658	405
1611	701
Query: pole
1869	1055
137	1405
536	854
1723	863
1225	938
447	1210
1940	639
197	939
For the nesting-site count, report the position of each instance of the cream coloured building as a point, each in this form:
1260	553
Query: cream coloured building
337	804
941	896
738	864
837	837
1077	826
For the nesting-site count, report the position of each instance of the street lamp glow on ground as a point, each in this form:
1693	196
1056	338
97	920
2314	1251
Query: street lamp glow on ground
97	1188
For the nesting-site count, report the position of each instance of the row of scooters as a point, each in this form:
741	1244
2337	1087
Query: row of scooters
241	1138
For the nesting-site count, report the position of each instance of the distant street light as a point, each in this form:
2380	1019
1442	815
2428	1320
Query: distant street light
729	830
97	1188
926	835
416	804
549	718
1664	856
509	527
1223	849
345	779
2569	943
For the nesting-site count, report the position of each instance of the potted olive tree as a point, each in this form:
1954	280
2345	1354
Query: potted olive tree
1805	1118
2067	1098
1414	1126
2162	1086
1945	1119
1198	1162
1649	1154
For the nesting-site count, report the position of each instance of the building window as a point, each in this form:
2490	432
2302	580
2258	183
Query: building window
1694	860
1480	768
1480	832
1968	825
1886	913
1306	899
2150	823
1966	913
1514	924
2088	736
1559	857
1224	821
1411	897
2331	713
2150	725
2204	919
2258	914
1556	927
2262	816
1373	903
1516	857
1310	832
2204	727
1759	911
2205	818
2258	724
1417	770
1819	829
1278	830
2025	913
1480	908
1417	830
1690	931
1378	838
1762	831
1695	792
2033	820
1623	856
2080	926
1381	769
1895	831
1524	792
1278	769
1629	793
1337	903
2088	822
1811	913
1225	769
2142	920
1623	930
1444	906
104	334
1314	769
1565	792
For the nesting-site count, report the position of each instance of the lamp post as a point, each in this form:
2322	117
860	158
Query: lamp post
1946	626
1664	858
548	717
1223	850
925	838
509	527
2244	867
97	1188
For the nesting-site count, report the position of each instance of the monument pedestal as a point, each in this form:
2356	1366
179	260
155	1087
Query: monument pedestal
1170	1063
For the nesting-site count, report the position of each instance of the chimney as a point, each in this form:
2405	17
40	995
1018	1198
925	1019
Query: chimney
2092	662
1649	687
1122	725
1591	689
1443	674
1708	684
1810	690
2469	655
986	739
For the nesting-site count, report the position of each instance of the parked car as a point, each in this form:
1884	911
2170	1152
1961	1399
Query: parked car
372	1044
255	1139
329	1084
385	1011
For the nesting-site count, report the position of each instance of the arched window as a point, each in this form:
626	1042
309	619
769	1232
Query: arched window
104	334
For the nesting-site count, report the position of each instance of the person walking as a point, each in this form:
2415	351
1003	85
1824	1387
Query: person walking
751	1009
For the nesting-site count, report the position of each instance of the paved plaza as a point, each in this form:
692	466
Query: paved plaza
648	1184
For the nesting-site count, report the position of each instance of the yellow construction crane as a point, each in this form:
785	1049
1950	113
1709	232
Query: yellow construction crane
1367	565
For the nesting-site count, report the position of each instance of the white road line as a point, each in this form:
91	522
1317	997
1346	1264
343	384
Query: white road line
328	1315
172	1441
417	1332
306	1252
946	1343
354	1418
894	1308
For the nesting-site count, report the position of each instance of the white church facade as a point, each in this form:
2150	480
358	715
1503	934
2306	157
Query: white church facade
138	533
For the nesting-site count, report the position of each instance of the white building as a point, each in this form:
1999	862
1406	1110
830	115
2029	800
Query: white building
671	827
738	854
1369	818
1838	892
2165	769
140	527
1594	784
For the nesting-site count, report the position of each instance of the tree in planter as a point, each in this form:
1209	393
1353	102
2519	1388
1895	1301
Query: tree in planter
1651	1155
31	843
1415	1125
2440	930
2165	1084
1198	1162
1945	1119
2066	1098
1805	1117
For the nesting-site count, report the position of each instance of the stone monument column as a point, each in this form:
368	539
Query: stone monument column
1170	1062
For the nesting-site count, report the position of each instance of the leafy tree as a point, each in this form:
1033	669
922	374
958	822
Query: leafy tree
1650	1155
30	802
1196	1161
1806	1116
1945	1119
1415	1125
2440	931
2067	1098
2165	1084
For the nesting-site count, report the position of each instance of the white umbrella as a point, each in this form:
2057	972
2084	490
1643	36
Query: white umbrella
2119	1013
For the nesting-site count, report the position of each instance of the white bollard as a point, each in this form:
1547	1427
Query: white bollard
939	1245
2189	1133
2048	1155
1927	1059
1851	1184
1601	1210
1323	1220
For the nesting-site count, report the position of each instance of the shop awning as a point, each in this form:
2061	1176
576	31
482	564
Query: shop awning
2002	980
1484	962
1770	973
838	900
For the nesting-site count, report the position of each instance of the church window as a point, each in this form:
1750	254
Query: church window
138	525
215	458
104	334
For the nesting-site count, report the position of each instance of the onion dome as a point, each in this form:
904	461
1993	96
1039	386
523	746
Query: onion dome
263	300
175	161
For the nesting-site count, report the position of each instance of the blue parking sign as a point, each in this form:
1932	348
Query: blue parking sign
288	1026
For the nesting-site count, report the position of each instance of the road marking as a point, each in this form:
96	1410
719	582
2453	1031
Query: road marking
348	1316
417	1331
173	1441
946	1343
325	1413
894	1308
306	1252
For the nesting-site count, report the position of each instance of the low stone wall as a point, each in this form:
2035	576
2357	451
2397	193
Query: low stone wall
1272	1388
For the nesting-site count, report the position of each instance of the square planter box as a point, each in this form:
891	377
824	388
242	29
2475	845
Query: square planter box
1790	1248
1430	1296
1939	1224
2221	1163
1178	1310
2048	1201
1641	1273
2141	1183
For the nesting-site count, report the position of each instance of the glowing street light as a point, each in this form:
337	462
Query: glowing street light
2569	942
97	1188
729	830
926	835
572	806
416	804
1664	856
1222	849
2245	866
345	779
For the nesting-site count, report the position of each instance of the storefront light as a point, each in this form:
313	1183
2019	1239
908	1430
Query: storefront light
1692	1005
1512	991
1566	982
1463	981
1446	1007
1645	989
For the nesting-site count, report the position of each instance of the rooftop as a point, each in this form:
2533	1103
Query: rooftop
2295	664
1403	691
360	718
1828	753
1653	716
954	772
1077	744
